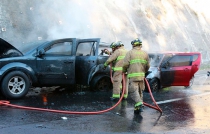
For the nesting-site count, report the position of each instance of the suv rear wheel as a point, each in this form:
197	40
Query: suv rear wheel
15	85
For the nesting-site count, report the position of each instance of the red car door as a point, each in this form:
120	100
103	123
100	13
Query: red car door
195	63
178	71
181	65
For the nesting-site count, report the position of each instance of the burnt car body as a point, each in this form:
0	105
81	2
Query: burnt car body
60	62
172	69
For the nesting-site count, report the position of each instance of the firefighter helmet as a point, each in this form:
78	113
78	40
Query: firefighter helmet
113	45
136	42
119	44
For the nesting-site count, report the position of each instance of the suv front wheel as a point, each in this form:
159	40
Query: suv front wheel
15	85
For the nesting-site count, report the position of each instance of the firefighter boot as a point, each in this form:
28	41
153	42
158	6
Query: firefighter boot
141	108
114	99
138	109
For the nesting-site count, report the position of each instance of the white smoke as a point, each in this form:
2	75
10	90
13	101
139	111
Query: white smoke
161	25
109	20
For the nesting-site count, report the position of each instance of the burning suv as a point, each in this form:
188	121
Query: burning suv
61	62
172	69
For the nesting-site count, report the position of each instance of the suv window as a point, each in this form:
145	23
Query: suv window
180	60
62	48
86	49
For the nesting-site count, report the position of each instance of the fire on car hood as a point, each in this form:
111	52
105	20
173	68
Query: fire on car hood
7	50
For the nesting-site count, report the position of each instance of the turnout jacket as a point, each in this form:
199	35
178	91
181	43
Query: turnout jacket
136	64
117	58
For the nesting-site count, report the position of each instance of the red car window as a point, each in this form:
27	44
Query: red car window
180	60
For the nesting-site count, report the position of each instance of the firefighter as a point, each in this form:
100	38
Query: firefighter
117	57
112	46
136	64
121	45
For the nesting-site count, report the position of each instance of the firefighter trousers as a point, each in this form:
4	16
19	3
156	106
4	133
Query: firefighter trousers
136	89
117	85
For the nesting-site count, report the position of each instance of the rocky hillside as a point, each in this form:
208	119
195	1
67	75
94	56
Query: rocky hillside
174	25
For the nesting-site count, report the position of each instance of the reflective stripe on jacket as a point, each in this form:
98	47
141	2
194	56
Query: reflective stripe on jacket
117	57
136	64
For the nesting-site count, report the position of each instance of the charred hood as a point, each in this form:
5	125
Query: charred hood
7	50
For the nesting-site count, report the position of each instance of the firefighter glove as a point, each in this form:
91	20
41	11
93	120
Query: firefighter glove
105	65
106	51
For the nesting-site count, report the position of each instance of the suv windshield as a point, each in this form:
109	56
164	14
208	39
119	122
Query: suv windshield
27	47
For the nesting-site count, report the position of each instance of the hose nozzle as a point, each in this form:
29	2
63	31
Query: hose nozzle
208	73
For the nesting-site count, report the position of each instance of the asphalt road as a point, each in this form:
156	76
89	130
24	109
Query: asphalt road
184	111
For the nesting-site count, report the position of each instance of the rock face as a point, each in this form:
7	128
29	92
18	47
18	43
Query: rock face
181	25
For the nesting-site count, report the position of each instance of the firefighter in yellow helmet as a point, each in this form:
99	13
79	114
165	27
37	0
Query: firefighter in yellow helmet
136	64
113	47
121	45
117	57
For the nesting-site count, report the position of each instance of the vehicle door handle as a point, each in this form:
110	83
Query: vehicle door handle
68	61
186	69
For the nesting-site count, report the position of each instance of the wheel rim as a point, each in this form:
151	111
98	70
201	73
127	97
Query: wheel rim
103	85
155	86
16	85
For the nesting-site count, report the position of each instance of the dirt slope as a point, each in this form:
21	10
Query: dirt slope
175	25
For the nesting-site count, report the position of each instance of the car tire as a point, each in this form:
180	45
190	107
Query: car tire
15	85
99	83
154	85
191	83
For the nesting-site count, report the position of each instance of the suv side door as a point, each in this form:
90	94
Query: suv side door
56	65
178	71
86	58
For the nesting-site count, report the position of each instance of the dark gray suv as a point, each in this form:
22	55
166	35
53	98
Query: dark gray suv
59	62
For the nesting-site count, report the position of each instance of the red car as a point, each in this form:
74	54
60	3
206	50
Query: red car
172	69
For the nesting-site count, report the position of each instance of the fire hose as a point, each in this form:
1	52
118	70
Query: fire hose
7	103
111	72
156	107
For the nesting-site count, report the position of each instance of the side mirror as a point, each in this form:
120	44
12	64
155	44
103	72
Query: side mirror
41	52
